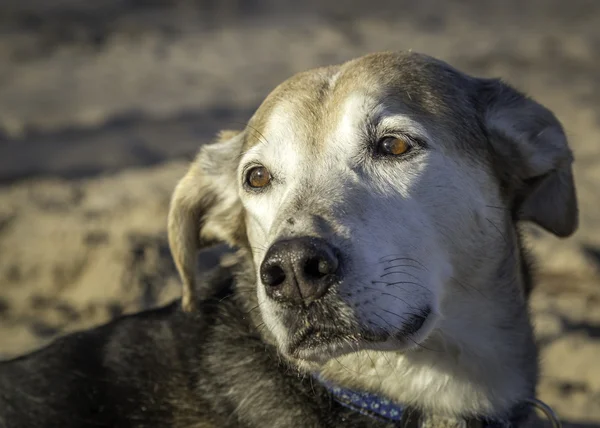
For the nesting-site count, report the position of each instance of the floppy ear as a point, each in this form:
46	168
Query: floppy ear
205	208
535	160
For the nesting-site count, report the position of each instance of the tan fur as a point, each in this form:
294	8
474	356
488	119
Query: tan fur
189	225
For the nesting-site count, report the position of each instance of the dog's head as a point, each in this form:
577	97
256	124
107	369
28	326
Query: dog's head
372	197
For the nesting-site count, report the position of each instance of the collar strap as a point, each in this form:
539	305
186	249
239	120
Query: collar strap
365	403
385	410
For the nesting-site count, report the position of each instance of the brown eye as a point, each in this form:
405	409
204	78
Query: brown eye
393	146
258	177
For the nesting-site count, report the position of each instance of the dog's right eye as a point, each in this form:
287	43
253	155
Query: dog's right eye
393	146
258	177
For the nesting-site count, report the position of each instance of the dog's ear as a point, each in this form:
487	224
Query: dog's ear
205	208
534	159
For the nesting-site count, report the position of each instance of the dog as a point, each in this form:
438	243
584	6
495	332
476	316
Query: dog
379	278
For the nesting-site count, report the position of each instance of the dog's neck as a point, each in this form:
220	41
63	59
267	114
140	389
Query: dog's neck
481	361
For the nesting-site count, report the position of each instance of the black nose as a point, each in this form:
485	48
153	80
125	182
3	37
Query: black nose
299	270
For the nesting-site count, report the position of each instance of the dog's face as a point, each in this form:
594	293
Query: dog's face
359	206
371	195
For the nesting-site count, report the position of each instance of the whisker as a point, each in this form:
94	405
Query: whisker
398	283
400	266
344	367
498	208
402	317
397	273
384	355
259	248
387	294
264	139
227	297
374	365
468	287
260	327
253	129
251	310
312	385
397	257
237	291
420	345
400	332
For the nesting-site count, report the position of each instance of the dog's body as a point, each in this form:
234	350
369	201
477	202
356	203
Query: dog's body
376	208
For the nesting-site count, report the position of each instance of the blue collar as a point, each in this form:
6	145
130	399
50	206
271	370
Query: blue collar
380	408
364	402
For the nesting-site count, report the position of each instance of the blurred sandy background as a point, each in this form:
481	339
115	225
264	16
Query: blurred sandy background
103	102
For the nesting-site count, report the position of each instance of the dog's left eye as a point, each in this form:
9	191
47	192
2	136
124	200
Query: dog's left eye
258	177
393	146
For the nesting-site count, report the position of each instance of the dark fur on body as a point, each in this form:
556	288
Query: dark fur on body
165	367
215	367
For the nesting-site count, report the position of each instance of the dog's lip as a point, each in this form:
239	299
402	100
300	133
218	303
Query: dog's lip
311	336
319	344
415	323
314	342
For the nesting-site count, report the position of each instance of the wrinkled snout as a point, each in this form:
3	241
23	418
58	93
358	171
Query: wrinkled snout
299	271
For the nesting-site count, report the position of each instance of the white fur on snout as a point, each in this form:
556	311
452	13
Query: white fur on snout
280	150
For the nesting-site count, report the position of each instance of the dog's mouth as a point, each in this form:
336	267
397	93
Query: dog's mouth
415	323
319	344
